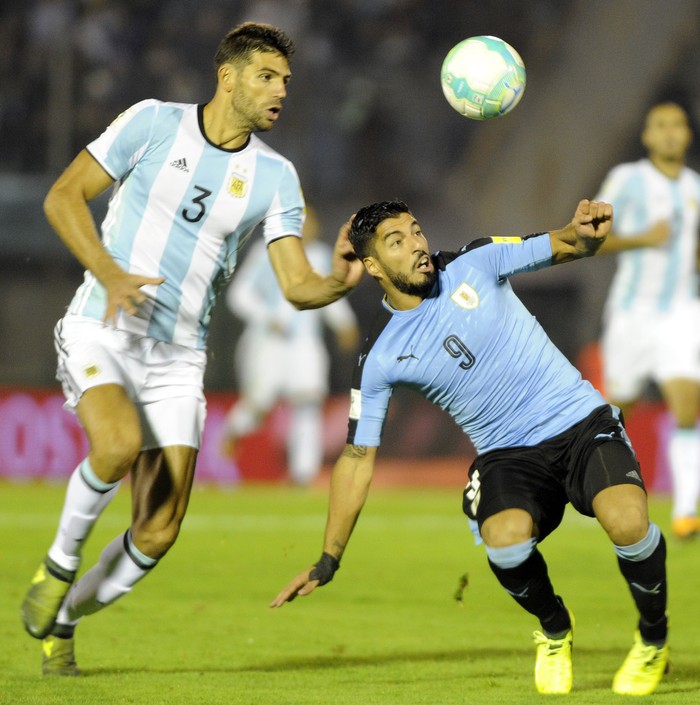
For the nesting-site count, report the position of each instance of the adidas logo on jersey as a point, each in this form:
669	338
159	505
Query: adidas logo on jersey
180	164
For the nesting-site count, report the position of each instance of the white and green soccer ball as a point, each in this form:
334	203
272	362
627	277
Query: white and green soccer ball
483	77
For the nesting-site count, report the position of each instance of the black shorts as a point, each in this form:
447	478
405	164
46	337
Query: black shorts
571	467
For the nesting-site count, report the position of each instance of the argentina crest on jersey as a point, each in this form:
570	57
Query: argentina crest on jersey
465	296
238	184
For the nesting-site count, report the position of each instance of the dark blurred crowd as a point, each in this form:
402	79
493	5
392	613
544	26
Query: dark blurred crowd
365	94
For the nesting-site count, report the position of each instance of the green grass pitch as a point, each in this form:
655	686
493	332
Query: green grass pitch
387	631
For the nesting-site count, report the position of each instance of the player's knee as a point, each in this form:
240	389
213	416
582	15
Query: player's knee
507	528
115	452
626	524
156	540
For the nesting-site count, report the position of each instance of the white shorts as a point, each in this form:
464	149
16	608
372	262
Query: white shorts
164	381
639	347
273	368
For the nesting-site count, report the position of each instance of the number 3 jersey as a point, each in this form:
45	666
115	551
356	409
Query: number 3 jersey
181	209
472	348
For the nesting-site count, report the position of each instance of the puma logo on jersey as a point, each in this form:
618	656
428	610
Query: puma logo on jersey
180	164
410	356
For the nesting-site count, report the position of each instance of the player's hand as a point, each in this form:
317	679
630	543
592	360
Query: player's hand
347	268
300	585
593	219
124	292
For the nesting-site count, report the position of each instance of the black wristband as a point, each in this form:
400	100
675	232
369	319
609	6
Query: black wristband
324	569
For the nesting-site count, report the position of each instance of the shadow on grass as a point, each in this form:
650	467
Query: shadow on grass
682	678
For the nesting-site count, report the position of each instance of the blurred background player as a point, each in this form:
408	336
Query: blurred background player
282	354
651	329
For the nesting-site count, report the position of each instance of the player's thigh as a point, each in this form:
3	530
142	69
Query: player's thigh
514	479
174	420
109	416
627	349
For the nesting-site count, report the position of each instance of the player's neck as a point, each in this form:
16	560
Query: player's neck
399	301
219	130
670	168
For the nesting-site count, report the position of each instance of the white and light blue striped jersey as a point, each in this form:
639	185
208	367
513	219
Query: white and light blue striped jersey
182	208
654	278
472	348
256	297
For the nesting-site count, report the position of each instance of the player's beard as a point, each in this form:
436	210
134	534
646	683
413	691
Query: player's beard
413	288
250	116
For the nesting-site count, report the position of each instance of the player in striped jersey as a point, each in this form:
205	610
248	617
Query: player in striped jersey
191	184
452	328
282	355
652	316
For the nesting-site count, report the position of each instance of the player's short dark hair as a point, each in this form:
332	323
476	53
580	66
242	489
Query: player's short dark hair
367	220
245	39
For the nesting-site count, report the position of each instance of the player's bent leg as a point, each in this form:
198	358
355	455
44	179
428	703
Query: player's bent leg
522	571
101	409
161	486
113	427
643	565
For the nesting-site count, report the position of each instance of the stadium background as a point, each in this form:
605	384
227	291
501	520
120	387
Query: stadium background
365	120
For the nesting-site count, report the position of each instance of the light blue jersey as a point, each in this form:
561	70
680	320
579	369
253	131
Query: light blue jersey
472	348
182	208
654	278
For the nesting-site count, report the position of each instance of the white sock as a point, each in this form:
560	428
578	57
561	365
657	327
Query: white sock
684	457
120	567
305	443
86	497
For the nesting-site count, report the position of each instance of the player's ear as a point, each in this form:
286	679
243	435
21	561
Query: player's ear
225	76
372	266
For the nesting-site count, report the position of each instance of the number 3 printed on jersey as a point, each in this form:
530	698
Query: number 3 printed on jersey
194	216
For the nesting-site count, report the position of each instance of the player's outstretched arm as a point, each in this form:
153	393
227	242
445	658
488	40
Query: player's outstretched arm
67	210
350	482
656	236
305	288
584	235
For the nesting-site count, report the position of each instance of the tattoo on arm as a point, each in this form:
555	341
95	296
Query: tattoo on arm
354	451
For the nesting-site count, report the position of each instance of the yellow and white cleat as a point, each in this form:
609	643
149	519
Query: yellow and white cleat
58	657
642	670
554	671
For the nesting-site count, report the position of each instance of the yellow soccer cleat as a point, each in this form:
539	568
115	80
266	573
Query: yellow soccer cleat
554	671
44	597
685	527
642	670
58	657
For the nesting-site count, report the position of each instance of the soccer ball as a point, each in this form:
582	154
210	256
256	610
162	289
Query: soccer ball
483	77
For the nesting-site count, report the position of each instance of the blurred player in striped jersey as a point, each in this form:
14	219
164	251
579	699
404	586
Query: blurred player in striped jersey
192	183
652	316
282	354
